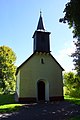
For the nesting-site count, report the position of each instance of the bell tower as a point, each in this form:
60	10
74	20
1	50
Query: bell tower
41	38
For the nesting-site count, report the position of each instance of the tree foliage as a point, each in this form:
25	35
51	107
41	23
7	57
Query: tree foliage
72	17
76	56
7	69
72	84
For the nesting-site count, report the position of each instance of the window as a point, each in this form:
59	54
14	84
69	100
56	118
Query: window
42	60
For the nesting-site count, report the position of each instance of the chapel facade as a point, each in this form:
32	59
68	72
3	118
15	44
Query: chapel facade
39	78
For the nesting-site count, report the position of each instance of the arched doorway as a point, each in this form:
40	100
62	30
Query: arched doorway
41	90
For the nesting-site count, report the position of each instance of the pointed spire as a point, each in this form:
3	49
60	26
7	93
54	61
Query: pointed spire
40	23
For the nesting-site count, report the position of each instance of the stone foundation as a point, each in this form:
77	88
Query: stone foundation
56	98
33	99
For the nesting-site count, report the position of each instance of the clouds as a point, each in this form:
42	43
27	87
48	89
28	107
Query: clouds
63	56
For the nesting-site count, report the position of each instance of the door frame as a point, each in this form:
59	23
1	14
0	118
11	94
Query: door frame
46	89
41	90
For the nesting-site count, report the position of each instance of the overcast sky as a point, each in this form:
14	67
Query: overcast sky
19	19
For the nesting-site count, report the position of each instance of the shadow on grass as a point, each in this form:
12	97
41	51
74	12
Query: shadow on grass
75	118
75	101
8	104
9	109
72	100
7	99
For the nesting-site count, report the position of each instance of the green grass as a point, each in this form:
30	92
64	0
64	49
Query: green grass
6	99
9	108
75	101
8	104
75	118
72	100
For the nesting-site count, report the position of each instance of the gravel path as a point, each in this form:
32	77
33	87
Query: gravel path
44	111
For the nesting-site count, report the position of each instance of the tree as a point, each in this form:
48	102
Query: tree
72	17
72	84
76	56
7	69
68	81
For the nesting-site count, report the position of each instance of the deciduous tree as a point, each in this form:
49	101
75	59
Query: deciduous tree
72	17
72	84
7	69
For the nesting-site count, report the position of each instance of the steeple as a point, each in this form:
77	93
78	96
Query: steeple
41	38
40	23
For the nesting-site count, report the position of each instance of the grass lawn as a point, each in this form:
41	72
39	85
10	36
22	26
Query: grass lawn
75	118
6	99
9	108
73	100
7	104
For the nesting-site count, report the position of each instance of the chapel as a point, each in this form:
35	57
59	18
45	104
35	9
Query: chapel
39	77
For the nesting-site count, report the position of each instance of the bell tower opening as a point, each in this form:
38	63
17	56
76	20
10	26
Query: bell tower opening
41	38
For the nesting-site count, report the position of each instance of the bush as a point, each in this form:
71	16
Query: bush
75	93
72	84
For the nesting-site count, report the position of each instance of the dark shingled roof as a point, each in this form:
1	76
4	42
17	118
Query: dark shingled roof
40	23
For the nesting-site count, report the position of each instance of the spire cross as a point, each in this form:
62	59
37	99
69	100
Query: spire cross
40	13
40	23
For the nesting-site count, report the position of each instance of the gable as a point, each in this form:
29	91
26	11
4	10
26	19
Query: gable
38	56
57	62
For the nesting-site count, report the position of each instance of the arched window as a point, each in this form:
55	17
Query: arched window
42	60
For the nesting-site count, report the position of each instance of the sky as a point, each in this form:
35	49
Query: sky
18	22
